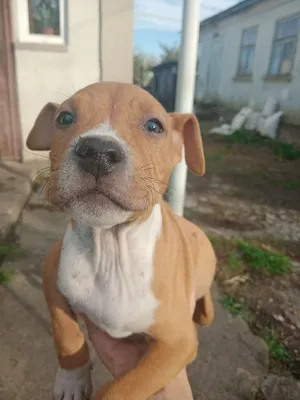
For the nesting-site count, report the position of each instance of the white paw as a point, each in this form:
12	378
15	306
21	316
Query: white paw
73	384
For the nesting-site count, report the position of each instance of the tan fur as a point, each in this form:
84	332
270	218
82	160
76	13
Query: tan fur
184	260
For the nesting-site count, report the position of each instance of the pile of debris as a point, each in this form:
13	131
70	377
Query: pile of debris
266	122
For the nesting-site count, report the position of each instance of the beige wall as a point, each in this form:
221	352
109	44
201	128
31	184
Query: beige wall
54	74
116	40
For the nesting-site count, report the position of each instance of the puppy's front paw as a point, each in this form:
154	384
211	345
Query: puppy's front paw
73	384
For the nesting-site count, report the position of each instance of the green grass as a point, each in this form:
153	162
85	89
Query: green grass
234	261
5	276
12	252
240	255
289	185
276	348
284	151
270	263
235	307
215	156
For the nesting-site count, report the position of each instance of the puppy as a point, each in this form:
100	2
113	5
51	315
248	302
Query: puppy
126	261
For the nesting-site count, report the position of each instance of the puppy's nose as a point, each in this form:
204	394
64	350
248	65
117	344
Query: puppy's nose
99	156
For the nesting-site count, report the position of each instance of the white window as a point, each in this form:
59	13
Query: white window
246	58
41	21
284	46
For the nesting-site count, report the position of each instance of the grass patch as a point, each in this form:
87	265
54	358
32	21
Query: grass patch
13	253
234	261
270	263
5	276
284	151
289	185
278	351
235	307
238	255
215	156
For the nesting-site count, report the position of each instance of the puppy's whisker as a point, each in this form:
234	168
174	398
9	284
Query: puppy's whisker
157	180
39	155
157	191
149	169
62	94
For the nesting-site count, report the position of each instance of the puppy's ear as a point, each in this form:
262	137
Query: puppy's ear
186	131
39	137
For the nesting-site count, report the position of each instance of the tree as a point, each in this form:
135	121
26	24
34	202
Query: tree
143	64
169	53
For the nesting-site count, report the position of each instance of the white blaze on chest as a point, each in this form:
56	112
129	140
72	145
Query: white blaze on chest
108	274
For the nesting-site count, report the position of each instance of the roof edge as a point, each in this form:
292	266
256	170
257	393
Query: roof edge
236	9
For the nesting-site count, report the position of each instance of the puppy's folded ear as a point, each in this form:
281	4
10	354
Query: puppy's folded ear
186	130
39	137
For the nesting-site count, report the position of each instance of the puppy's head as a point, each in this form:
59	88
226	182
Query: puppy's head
112	150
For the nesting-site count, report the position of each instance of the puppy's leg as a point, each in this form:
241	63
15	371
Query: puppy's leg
73	378
166	357
204	311
204	274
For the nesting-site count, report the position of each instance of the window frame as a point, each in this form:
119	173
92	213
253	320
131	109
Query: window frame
275	41
24	35
239	73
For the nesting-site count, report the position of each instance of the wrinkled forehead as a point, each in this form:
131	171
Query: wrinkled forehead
120	106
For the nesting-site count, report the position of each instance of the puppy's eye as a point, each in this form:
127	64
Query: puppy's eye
153	126
65	119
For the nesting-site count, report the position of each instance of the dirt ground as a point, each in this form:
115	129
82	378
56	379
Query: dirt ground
251	193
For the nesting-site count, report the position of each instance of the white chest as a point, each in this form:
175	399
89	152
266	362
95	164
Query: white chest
108	274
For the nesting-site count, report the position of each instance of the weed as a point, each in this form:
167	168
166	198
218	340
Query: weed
5	275
271	263
234	261
235	307
276	348
284	151
13	253
291	184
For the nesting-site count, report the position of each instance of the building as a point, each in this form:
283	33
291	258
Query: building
50	49
251	52
163	84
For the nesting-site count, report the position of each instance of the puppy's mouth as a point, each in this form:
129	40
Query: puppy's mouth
97	198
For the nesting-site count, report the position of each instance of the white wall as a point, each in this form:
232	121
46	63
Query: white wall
257	91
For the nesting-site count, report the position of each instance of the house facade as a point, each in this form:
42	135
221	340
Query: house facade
163	84
251	52
52	48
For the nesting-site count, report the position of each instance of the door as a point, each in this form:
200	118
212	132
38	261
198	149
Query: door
10	138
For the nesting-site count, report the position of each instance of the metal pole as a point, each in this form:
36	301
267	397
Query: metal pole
185	93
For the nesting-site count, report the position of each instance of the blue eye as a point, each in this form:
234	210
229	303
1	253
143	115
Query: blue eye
65	119
153	126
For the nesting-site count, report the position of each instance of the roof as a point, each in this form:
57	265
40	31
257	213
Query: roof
164	65
240	7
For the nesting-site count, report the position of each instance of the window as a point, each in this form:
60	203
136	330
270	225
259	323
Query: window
247	50
199	57
41	21
284	46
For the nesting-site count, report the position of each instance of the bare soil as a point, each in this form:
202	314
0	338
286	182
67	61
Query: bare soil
252	194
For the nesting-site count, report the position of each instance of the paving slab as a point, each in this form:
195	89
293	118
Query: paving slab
231	364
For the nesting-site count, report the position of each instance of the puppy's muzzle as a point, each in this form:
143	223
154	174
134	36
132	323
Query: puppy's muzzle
99	156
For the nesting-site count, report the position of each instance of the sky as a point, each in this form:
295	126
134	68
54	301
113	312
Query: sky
159	21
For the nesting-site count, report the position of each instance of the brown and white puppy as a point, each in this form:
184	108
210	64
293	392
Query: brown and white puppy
126	261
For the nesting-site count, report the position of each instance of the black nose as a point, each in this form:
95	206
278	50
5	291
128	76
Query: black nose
99	156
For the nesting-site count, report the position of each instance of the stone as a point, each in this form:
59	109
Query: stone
280	388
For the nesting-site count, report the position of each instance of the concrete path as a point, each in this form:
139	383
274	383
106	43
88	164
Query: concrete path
232	363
